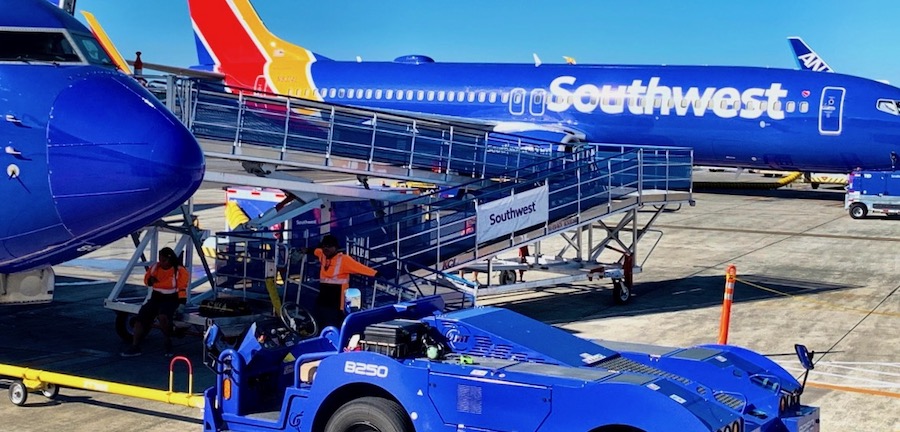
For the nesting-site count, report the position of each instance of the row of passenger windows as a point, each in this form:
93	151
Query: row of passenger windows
537	98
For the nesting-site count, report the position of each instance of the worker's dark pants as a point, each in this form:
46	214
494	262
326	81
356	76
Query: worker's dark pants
329	310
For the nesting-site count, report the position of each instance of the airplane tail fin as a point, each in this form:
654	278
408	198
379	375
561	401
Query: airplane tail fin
806	58
232	39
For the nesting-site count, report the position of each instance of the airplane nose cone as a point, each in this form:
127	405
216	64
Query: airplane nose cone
118	160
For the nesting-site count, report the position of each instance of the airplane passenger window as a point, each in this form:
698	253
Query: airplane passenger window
763	105
804	106
359	93
343	92
776	106
657	103
684	103
593	100
37	46
482	96
451	96
492	98
431	95
399	94
751	105
710	104
368	93
332	93
420	95
790	106
409	95
441	95
670	103
471	97
389	94
504	98
517	98
377	93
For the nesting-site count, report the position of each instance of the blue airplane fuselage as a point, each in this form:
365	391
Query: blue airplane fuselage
731	116
89	155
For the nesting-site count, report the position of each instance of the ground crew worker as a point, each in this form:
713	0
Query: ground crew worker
334	279
168	281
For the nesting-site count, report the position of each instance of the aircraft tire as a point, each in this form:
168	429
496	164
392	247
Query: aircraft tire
858	210
621	292
507	277
125	326
18	394
367	414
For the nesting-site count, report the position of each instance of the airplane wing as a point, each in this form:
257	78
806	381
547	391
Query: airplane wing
547	132
182	71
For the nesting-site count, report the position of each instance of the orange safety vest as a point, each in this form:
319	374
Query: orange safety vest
167	281
338	269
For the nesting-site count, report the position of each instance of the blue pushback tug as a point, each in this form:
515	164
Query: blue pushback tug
409	367
873	192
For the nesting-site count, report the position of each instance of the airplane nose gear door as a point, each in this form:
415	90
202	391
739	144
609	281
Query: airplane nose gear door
831	110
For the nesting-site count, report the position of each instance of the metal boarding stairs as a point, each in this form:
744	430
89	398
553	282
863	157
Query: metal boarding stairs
264	133
417	243
270	135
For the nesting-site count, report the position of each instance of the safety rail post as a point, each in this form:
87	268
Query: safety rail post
449	153
725	320
484	152
170	92
412	148
240	124
287	126
640	163
172	374
330	138
372	142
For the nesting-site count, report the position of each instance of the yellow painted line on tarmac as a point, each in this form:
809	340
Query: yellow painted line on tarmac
819	385
831	305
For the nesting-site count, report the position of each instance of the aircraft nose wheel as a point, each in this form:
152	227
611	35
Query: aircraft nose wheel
299	320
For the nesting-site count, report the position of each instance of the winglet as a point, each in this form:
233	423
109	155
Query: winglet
806	58
106	42
537	60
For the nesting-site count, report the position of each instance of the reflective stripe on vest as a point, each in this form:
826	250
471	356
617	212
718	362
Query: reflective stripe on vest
335	279
174	288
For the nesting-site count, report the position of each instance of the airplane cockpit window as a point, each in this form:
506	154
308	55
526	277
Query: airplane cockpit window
36	46
91	49
889	106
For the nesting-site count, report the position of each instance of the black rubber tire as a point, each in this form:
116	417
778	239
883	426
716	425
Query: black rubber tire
51	391
125	326
369	414
507	277
858	210
18	393
621	292
814	185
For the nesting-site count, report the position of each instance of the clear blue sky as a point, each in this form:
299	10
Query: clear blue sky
857	38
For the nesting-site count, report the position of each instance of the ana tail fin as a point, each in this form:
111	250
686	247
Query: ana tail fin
806	58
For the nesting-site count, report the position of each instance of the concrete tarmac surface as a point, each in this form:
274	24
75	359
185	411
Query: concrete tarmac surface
807	273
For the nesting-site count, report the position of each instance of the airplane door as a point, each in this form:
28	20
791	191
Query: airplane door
537	102
831	110
517	101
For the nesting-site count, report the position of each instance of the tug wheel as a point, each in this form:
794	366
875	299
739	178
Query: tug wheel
621	292
858	211
51	391
18	394
125	326
369	414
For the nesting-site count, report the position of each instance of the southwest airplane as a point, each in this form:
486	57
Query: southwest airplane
732	116
89	155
